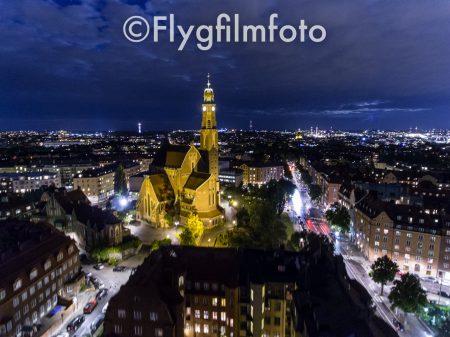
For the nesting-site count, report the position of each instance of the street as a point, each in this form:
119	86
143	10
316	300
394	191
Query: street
111	281
312	215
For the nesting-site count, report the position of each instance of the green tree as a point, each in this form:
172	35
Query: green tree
120	181
279	192
315	192
195	226
339	218
187	237
407	294
444	329
383	271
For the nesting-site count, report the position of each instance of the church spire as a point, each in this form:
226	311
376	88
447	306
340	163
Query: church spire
208	94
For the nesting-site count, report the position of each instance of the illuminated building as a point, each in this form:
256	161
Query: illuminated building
182	291
258	173
39	267
185	177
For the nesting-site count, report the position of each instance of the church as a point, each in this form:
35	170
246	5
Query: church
184	179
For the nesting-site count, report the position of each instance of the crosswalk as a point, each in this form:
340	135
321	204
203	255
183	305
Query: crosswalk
377	298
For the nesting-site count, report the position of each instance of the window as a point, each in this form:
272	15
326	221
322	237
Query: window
214	301
16	302
277	321
197	327
138	330
24	296
197	313
214	314
137	315
154	315
18	284
117	329
33	274
223	316
47	264
121	313
223	302
205	328
205	314
2	294
60	256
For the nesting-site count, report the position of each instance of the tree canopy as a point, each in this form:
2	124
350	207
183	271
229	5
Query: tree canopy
408	294
120	181
339	218
383	271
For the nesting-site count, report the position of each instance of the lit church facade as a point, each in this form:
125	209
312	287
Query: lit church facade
185	179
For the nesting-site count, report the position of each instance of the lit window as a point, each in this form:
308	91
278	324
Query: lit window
205	328
33	274
18	284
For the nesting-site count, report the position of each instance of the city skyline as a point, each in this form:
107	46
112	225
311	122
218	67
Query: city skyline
66	65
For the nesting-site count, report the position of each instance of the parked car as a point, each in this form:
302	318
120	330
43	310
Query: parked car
75	323
90	306
444	294
88	274
119	268
429	279
97	323
102	293
105	307
99	266
398	326
63	334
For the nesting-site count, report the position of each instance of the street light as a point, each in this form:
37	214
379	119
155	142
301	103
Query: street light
235	203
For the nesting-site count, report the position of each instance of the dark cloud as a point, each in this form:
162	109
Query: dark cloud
66	64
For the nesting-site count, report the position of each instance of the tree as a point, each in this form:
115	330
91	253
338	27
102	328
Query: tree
187	237
339	218
315	192
444	329
195	226
120	181
408	294
278	193
383	271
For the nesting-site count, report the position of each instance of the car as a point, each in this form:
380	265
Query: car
105	307
119	268
102	293
75	323
429	279
97	323
398	326
90	306
444	294
88	274
63	334
99	266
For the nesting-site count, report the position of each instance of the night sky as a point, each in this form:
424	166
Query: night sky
66	65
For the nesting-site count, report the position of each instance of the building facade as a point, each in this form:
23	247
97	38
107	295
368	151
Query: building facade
27	181
188	291
36	272
96	184
258	173
185	179
406	234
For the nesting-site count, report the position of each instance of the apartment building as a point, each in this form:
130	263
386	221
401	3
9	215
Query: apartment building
37	267
405	233
195	291
96	184
259	173
27	181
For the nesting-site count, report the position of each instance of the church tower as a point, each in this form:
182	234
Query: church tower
209	139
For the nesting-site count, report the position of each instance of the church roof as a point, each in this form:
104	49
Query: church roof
196	179
170	155
161	186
